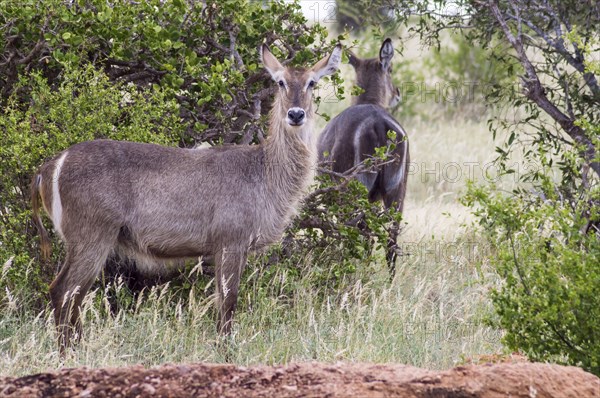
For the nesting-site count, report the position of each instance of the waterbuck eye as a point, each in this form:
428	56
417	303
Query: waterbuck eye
281	83
312	84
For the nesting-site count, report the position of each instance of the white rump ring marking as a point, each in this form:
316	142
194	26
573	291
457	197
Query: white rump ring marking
56	202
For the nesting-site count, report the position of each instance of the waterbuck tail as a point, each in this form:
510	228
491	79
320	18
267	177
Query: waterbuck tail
45	242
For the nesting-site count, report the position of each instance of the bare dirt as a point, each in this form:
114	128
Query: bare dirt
515	380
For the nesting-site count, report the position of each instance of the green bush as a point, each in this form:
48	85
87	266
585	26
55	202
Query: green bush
339	230
547	235
206	52
549	302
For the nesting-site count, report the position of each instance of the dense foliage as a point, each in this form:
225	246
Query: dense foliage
206	53
549	303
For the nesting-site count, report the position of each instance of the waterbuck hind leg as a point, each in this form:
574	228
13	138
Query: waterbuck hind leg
82	265
393	200
392	248
229	264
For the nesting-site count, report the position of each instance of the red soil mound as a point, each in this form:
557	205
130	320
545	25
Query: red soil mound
515	380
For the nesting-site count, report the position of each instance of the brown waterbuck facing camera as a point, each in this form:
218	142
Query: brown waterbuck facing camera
156	203
353	135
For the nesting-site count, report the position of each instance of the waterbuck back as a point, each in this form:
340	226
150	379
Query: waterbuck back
353	135
160	204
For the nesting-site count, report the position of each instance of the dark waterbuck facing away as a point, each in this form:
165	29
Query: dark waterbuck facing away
353	135
156	203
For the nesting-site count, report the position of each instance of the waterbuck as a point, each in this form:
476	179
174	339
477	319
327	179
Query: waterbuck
353	135
157	203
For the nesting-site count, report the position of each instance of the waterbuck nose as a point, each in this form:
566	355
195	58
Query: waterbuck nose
296	115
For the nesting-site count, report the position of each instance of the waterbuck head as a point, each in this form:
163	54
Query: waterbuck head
374	76
294	99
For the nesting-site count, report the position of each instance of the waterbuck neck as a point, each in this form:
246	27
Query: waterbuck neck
371	98
290	155
376	89
373	75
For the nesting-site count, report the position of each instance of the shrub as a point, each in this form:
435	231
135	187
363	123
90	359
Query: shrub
340	229
549	302
206	52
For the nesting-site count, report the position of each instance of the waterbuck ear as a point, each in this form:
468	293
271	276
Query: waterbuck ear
386	52
328	65
353	59
271	64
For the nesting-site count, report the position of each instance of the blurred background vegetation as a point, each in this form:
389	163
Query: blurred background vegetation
500	236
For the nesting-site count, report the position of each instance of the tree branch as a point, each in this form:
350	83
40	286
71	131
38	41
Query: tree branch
350	174
577	61
535	91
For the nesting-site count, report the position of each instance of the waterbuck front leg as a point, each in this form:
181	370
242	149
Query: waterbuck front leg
229	264
82	265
